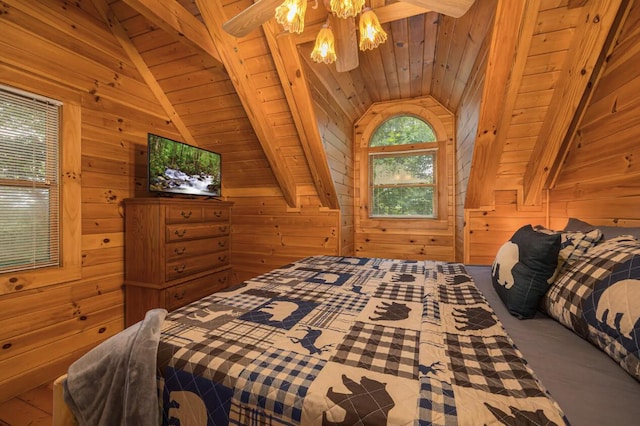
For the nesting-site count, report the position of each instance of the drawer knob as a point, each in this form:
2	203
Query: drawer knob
180	296
222	258
222	243
217	213
179	269
180	232
185	215
222	280
179	250
222	228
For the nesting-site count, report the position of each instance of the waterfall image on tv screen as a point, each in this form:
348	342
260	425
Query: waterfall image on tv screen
178	168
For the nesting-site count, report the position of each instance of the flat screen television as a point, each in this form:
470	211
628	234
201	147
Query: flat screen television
179	168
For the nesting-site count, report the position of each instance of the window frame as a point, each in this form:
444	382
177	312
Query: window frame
403	150
439	220
443	127
70	211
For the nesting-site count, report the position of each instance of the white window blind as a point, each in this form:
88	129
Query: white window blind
29	181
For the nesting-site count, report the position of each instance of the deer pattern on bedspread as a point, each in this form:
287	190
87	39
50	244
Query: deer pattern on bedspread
346	341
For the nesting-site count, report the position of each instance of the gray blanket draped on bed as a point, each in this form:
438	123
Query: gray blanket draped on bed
130	397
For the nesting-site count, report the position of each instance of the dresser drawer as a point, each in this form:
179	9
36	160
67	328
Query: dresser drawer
180	232
183	249
194	264
183	214
215	214
182	294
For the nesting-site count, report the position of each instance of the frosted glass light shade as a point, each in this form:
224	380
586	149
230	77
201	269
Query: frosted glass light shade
371	32
346	8
290	14
324	50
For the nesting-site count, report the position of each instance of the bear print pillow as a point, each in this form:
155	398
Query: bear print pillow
523	268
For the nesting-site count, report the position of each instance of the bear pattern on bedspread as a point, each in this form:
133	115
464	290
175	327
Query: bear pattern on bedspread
343	341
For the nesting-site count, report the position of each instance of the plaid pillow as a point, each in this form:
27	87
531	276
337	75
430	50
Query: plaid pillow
598	297
573	245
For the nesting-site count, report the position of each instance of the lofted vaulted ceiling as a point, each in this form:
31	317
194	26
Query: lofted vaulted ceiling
249	98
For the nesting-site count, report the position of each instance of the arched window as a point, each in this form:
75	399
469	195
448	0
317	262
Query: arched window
402	169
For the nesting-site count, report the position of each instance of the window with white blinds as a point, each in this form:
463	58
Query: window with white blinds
29	181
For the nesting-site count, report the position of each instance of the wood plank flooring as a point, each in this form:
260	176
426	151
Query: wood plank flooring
33	408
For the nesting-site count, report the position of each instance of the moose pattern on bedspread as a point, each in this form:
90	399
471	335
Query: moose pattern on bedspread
345	341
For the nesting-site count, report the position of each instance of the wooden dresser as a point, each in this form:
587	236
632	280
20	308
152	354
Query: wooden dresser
176	251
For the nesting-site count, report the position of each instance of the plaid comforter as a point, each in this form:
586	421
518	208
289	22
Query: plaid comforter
346	341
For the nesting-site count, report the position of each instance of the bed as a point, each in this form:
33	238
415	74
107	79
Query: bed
346	340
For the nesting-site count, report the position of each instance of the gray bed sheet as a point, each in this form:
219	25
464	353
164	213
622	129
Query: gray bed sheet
589	386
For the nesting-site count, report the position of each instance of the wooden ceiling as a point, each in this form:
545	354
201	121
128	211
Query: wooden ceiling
250	98
235	96
426	53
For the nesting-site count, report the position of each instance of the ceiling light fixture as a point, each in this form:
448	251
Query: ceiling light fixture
290	14
371	32
324	50
346	8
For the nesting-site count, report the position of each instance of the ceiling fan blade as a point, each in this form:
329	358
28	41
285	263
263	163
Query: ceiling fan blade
251	18
346	43
453	8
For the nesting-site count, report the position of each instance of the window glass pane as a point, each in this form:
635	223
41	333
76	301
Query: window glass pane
402	130
25	236
24	149
403	184
403	201
403	169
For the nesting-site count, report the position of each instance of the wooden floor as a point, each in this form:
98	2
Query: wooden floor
32	408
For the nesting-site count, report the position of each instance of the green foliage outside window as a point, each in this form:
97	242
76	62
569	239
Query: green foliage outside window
403	183
402	130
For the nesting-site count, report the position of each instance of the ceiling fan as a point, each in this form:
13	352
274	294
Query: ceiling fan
263	10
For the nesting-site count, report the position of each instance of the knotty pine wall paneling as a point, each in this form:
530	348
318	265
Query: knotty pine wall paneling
337	134
466	129
432	239
266	233
487	229
600	178
66	53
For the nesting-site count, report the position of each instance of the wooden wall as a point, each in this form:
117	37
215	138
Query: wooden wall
488	227
337	134
407	238
600	179
466	129
68	53
42	331
267	234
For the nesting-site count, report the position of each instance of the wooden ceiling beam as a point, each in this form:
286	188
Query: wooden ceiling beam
513	28
389	13
172	17
453	8
121	35
598	27
251	17
243	81
296	88
576	3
